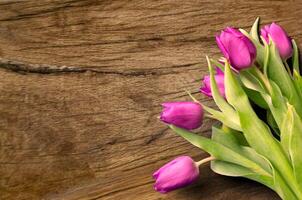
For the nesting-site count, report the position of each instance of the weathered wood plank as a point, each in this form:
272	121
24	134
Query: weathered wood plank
81	87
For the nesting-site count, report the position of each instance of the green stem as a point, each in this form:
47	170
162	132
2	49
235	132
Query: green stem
287	67
263	79
208	159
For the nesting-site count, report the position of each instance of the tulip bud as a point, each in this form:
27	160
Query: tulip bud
237	48
187	115
219	77
178	173
280	38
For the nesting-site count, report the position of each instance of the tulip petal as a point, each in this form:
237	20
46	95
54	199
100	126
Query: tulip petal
239	53
187	115
280	38
178	173
237	48
206	91
222	48
264	33
283	43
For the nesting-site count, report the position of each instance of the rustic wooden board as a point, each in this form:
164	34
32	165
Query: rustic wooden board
81	86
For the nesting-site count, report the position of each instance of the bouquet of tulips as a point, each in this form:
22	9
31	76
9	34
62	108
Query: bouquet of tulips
257	88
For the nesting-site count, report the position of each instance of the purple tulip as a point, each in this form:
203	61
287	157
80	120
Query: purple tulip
187	115
280	38
178	173
219	77
237	48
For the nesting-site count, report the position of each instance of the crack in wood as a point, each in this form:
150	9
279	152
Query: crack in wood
64	6
25	68
156	136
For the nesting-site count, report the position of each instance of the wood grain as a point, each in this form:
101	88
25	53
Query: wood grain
81	86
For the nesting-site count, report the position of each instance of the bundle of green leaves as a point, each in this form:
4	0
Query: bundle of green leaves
260	110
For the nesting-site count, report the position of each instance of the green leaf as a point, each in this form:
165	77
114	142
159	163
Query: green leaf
291	141
255	30
218	150
238	135
231	169
275	182
233	139
266	56
272	123
286	130
230	140
251	154
251	81
219	100
276	103
278	74
222	118
256	97
295	58
228	114
254	87
227	138
276	69
257	132
218	64
297	81
282	188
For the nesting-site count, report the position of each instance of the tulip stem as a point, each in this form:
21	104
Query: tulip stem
192	97
287	67
208	159
264	79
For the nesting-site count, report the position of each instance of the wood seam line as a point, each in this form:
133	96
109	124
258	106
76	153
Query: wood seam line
25	68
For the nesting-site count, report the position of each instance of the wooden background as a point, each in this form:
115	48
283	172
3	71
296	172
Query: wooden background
81	82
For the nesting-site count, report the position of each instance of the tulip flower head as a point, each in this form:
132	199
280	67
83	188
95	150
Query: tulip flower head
187	115
178	173
280	38
237	48
219	77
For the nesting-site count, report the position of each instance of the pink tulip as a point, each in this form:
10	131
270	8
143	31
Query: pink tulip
178	173
237	48
219	77
280	38
187	115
